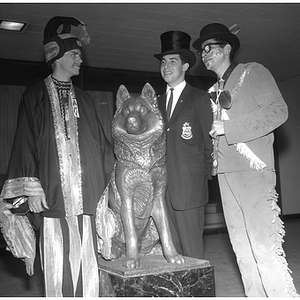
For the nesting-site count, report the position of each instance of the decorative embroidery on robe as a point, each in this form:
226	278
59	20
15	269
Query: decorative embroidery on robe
68	151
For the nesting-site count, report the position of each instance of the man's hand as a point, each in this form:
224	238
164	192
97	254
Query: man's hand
37	204
217	129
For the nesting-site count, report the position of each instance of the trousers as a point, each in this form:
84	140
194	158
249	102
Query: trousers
256	232
186	227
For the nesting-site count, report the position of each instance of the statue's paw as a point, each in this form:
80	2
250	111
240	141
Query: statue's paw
116	253
131	263
175	259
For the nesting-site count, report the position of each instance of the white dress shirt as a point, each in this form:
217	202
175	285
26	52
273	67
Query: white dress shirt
176	93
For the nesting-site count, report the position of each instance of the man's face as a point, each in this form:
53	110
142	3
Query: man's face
214	55
172	70
70	62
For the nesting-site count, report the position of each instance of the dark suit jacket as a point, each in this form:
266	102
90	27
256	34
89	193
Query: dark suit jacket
189	148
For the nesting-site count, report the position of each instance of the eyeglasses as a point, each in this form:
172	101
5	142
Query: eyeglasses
207	48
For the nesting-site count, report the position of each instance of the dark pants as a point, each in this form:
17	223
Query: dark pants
186	228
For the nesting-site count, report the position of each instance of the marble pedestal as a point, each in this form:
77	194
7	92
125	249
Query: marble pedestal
157	278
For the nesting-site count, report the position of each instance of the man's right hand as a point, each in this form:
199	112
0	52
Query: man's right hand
217	128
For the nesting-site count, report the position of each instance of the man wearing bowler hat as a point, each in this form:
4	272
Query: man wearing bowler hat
188	118
247	107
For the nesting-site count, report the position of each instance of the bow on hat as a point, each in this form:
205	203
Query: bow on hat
176	42
57	44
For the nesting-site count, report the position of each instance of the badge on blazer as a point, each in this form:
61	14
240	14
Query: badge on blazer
186	131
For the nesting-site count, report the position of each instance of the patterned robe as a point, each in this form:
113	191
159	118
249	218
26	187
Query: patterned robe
66	157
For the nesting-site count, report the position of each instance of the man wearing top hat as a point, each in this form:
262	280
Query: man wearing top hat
247	107
59	167
189	145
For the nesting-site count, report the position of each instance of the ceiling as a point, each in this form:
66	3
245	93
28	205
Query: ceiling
127	35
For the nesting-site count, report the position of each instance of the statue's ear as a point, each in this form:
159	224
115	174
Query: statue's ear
149	93
122	95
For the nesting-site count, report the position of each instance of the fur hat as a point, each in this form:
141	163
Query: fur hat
176	42
216	30
57	44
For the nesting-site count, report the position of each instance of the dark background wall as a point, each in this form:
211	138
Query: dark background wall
26	73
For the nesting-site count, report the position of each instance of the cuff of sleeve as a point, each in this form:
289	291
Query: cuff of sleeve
22	186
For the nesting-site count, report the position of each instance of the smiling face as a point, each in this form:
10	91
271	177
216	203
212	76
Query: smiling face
68	65
172	69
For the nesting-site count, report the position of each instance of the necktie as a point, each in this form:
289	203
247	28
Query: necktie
169	107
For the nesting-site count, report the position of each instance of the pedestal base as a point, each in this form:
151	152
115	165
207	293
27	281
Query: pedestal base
157	278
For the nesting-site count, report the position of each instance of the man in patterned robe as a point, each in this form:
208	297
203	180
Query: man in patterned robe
60	164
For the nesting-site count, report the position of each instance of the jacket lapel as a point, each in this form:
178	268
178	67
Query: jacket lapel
162	106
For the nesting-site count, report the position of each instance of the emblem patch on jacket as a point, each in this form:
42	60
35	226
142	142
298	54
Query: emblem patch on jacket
186	131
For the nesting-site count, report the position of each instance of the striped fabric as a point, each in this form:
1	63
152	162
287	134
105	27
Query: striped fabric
65	277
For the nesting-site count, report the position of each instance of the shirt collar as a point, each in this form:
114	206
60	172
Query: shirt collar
178	88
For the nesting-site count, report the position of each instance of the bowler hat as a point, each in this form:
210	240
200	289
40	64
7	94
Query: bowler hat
176	42
216	30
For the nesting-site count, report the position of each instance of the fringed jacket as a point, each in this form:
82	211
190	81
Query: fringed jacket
257	109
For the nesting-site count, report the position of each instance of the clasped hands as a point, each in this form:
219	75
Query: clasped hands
217	129
37	204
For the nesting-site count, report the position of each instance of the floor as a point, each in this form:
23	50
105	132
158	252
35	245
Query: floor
15	283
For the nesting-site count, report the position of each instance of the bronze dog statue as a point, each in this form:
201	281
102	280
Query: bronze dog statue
131	215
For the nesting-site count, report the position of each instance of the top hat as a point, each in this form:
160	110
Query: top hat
57	44
216	30
176	42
